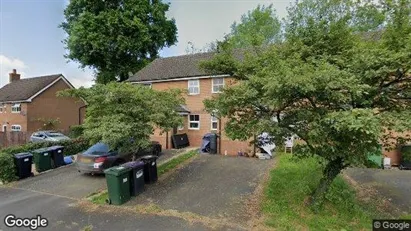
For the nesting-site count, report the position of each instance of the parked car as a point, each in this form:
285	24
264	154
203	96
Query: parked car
52	136
100	157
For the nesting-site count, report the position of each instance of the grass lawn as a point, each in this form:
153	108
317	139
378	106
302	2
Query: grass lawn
289	186
101	197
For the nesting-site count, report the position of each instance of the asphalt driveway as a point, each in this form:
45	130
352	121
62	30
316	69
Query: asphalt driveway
208	193
392	184
68	182
213	186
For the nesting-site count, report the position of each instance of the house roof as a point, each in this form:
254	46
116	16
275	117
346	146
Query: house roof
24	89
173	68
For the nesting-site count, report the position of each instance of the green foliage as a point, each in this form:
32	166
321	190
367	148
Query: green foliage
340	90
116	37
125	115
406	153
257	28
7	168
291	183
175	162
76	131
71	147
49	123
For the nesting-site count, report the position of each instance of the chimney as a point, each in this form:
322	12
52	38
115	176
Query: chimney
14	76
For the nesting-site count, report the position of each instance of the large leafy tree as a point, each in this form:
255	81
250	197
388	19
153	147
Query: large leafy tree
125	115
116	37
340	80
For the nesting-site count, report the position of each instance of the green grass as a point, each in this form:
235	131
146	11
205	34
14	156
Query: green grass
175	162
289	186
100	198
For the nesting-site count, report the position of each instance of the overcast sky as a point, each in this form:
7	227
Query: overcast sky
30	40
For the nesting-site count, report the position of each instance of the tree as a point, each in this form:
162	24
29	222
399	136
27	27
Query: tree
116	37
341	92
258	27
125	115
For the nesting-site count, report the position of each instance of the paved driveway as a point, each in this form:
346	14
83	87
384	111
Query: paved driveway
393	184
213	186
208	193
68	182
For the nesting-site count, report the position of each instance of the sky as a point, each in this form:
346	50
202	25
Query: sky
30	40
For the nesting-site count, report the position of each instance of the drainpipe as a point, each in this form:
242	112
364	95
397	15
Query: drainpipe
79	113
167	140
219	135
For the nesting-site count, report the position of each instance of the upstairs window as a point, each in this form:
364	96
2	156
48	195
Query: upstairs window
194	87
15	128
214	123
217	85
194	122
16	108
2	108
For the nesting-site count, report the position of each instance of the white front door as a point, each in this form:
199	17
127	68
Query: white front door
4	128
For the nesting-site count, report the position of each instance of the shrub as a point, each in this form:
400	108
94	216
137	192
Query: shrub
71	147
7	169
76	131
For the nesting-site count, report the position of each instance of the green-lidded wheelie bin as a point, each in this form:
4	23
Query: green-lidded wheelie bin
42	159
118	184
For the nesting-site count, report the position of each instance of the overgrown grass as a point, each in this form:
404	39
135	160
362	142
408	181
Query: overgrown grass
288	188
100	198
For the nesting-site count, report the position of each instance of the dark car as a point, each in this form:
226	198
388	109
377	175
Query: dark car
99	157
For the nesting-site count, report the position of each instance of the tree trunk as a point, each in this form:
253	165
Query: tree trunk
331	171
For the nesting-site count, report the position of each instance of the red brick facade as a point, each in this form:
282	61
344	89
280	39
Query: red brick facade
196	107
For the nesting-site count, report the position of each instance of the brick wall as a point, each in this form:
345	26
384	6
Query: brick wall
7	118
47	105
195	105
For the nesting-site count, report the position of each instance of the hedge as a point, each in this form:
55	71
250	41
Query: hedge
7	168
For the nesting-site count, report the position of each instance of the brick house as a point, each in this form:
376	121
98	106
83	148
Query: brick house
183	72
26	103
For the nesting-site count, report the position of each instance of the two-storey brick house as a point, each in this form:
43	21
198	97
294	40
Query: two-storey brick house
183	72
25	104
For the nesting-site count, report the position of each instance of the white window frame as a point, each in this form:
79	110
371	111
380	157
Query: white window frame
14	108
194	121
214	120
2	108
15	126
149	85
213	84
197	81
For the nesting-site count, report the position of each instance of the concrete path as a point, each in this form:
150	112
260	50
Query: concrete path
392	184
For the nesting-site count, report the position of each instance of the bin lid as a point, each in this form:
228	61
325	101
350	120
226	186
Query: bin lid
134	164
41	150
117	171
148	157
23	155
56	147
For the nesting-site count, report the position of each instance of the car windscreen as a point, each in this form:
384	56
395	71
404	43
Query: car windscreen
98	149
54	134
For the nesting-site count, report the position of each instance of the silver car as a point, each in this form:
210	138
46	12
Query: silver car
50	136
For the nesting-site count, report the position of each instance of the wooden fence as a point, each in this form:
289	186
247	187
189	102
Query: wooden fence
10	138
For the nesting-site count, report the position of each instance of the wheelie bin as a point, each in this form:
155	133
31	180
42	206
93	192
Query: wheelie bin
42	159
136	177
57	156
118	184
150	168
23	162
